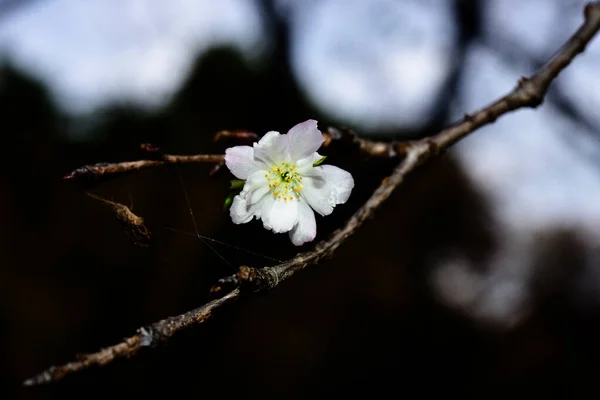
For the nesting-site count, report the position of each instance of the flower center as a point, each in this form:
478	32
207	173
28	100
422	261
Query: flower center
284	181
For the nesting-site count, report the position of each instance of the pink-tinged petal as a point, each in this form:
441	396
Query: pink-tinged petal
241	162
305	229
305	164
319	194
340	180
304	139
272	149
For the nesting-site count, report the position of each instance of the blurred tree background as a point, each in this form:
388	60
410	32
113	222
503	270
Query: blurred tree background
476	278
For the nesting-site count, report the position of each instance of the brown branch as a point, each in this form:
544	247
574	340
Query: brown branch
370	148
101	171
148	336
530	92
95	173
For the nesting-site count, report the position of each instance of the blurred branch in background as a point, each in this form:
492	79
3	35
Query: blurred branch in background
512	52
530	92
9	6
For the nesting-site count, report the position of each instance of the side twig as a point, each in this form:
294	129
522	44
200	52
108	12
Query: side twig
102	171
137	231
95	173
370	148
529	92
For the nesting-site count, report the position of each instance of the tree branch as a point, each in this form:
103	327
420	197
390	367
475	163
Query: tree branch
529	92
102	171
148	336
95	173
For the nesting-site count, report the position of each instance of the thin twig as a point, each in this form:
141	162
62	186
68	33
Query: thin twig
370	148
530	92
134	225
102	171
95	173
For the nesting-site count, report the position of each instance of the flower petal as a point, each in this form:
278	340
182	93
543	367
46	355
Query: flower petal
341	181
257	194
304	139
265	211
240	211
305	229
325	186
257	185
319	194
306	163
281	216
241	162
272	149
248	203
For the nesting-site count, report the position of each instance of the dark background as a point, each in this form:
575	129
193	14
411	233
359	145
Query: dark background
365	322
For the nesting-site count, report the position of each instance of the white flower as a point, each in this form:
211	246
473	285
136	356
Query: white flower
283	187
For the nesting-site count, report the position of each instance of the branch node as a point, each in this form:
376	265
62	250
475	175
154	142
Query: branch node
531	93
432	146
246	278
149	337
522	81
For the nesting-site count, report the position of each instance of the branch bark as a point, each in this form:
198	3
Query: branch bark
148	336
95	173
529	92
102	171
137	231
